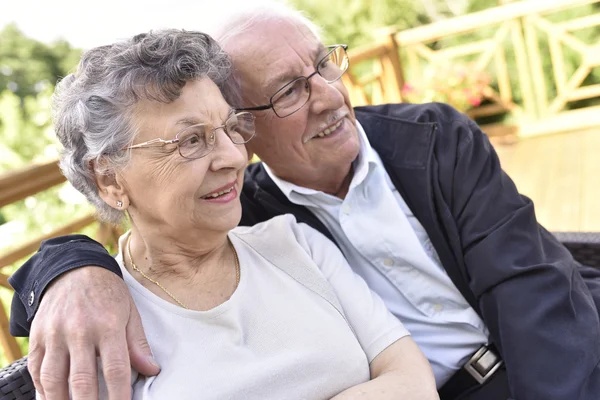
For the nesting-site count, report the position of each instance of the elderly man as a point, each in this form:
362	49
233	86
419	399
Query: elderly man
415	198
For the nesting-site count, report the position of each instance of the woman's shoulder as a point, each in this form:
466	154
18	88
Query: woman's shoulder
284	231
273	226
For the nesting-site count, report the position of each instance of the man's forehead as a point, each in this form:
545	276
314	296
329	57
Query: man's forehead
275	52
291	67
275	39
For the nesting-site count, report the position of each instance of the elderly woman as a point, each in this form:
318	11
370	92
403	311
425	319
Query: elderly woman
271	311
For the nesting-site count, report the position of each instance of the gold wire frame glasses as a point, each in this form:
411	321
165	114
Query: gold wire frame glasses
196	141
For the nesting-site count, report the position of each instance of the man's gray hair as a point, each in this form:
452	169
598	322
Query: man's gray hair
93	108
231	25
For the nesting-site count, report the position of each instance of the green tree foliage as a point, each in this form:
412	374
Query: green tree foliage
25	129
28	72
27	66
355	22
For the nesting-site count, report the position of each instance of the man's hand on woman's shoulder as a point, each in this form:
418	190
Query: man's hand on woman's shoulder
87	312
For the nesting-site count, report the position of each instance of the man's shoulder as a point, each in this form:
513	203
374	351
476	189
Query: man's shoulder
417	124
256	179
410	113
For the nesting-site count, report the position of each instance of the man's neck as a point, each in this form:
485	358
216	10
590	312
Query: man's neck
345	185
337	183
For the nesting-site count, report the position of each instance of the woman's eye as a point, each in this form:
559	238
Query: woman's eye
192	140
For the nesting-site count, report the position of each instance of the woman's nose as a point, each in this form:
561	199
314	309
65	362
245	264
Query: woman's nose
227	154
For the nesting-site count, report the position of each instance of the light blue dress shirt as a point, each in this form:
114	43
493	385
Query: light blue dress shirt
387	246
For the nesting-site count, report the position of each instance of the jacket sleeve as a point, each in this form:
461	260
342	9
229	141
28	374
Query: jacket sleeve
539	310
55	257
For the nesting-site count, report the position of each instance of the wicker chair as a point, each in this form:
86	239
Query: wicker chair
16	383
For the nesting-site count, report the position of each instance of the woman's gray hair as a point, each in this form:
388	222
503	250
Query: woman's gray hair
93	108
231	24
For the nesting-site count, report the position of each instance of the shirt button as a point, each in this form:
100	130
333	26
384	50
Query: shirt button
346	209
31	298
388	262
438	307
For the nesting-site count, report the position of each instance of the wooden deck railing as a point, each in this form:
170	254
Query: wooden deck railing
517	31
379	71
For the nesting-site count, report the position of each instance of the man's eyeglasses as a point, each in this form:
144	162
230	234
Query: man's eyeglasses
196	141
295	94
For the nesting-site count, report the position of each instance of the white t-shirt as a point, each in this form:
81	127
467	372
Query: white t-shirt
274	338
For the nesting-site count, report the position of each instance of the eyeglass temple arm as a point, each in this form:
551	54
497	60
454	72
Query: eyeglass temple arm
259	108
153	141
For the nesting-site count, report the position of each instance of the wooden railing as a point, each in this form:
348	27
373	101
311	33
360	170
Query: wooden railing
517	32
18	185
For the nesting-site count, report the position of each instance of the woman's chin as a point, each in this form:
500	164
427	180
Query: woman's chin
224	222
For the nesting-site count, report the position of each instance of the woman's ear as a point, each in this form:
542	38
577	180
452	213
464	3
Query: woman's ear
110	186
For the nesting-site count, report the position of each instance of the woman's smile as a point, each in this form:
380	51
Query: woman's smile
224	194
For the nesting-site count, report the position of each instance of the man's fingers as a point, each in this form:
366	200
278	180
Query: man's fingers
54	372
83	311
34	364
116	367
83	377
139	349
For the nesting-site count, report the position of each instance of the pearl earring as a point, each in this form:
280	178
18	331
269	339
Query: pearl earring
119	204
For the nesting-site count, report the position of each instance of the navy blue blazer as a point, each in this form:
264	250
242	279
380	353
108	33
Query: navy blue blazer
540	305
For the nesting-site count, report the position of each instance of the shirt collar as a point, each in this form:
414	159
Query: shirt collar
364	163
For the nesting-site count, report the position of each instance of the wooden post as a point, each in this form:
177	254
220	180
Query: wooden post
391	68
523	68
537	71
357	96
377	84
11	348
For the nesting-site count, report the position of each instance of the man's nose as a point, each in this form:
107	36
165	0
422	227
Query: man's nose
325	96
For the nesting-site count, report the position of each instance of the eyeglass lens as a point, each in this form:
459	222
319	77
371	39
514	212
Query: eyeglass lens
295	94
197	141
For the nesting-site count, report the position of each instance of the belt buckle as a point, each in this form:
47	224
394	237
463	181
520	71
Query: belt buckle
482	365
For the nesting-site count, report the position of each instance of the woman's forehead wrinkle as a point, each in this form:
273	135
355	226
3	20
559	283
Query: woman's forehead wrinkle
165	120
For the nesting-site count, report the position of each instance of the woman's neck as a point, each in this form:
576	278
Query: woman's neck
199	272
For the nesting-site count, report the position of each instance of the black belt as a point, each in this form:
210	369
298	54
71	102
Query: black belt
478	370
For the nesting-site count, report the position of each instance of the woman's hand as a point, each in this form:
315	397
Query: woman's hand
87	312
401	371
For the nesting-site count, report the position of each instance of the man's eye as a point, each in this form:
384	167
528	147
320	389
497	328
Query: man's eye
289	91
324	63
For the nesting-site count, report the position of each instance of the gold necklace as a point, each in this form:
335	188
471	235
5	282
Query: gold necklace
135	268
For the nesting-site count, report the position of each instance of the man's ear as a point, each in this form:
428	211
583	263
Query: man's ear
110	186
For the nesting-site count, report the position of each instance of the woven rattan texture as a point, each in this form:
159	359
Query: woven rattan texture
585	246
15	382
